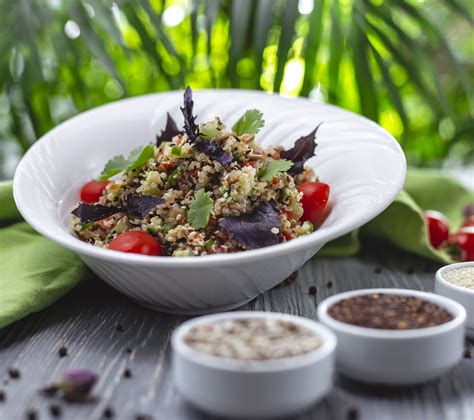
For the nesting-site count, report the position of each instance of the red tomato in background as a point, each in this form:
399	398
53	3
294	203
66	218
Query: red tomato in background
464	239
438	227
92	191
315	201
469	221
136	242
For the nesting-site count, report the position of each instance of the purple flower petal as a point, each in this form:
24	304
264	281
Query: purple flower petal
214	151
302	150
169	132
92	212
190	126
140	205
254	230
77	382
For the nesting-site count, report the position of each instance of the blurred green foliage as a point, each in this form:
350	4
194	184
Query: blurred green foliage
407	65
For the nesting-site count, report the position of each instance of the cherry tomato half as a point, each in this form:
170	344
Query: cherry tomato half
92	191
315	201
136	242
464	239
438	227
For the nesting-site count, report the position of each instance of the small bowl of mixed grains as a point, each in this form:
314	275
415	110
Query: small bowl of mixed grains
456	281
394	336
253	364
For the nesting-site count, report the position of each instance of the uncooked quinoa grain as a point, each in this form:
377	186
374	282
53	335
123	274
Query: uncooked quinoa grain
390	312
463	277
252	339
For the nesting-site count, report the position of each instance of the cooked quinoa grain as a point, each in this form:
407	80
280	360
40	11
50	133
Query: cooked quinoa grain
204	190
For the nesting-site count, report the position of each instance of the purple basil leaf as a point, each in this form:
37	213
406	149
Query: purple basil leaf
140	205
468	210
214	151
92	212
254	230
190	126
169	132
301	152
77	382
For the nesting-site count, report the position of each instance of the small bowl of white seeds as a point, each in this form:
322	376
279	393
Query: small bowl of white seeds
456	281
253	364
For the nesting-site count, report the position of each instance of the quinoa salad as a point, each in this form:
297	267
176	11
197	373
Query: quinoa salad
203	189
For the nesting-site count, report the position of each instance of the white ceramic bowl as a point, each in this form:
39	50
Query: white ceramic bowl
363	164
267	388
395	357
463	295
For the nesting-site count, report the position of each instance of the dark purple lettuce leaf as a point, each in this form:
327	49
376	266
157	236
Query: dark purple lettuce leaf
214	151
140	205
301	152
254	230
169	132
93	212
190	126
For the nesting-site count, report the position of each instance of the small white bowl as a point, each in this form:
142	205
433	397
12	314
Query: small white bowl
269	388
397	357
463	295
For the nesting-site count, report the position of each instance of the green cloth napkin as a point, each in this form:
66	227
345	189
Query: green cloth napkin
35	272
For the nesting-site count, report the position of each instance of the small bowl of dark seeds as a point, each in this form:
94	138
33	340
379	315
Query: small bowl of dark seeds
253	364
394	336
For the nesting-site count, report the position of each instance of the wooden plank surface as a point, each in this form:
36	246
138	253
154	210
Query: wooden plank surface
108	333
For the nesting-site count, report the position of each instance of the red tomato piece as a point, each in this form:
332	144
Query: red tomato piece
438	227
92	191
464	239
315	200
136	242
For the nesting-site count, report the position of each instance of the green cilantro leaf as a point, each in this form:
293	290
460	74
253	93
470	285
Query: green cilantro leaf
200	209
249	123
275	168
137	158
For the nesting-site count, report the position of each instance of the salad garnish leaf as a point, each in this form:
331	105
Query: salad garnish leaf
169	132
200	209
254	230
140	205
214	151
249	123
190	126
93	212
275	168
137	158
301	152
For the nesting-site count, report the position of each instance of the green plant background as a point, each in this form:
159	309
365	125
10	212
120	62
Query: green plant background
405	64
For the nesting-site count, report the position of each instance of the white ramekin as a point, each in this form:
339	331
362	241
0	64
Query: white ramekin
269	388
396	357
463	295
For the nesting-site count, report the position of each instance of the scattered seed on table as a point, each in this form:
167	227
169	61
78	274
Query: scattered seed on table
108	413
3	396
128	350
352	414
31	415
312	290
467	354
62	351
14	373
377	270
127	373
143	417
329	284
55	410
120	328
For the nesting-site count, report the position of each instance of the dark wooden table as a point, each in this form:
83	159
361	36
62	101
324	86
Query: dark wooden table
129	347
